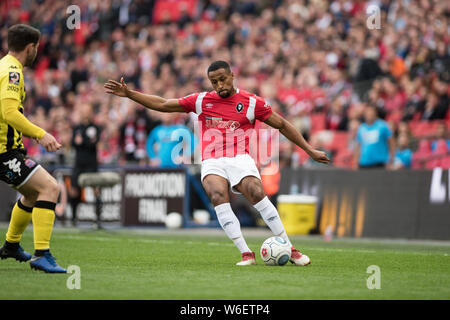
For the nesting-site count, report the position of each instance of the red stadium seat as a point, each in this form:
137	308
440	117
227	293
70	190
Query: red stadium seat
340	140
318	122
423	152
423	129
445	162
343	159
424	148
433	163
441	147
416	163
394	116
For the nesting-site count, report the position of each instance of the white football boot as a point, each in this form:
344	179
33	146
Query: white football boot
298	258
248	258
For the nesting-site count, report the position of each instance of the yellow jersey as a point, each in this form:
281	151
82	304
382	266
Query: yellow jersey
12	87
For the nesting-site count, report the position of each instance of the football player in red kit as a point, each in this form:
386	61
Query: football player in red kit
227	116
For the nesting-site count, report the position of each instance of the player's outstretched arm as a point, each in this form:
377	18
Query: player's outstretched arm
289	131
157	103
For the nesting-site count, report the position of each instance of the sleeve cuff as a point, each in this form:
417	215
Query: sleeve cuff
41	133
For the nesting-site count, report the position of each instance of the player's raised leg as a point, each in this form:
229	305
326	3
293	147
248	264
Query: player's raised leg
217	189
252	189
46	188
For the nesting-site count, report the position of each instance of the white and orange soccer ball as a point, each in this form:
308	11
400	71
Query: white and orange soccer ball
275	251
174	220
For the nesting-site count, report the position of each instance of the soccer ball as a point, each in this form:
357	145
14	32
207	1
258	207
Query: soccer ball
174	220
275	251
201	216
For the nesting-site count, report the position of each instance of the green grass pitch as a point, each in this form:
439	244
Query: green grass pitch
158	264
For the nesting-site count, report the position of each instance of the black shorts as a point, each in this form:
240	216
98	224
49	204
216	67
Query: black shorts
16	168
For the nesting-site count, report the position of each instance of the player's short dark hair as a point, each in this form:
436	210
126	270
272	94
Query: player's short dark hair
21	35
219	64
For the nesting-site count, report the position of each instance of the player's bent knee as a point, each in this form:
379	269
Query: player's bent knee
55	187
218	197
256	193
51	189
29	199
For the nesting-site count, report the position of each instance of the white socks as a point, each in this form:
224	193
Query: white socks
271	217
230	224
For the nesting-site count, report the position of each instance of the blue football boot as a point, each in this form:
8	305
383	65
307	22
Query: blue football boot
19	254
46	263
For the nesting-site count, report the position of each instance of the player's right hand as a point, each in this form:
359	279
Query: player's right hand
118	88
319	156
49	143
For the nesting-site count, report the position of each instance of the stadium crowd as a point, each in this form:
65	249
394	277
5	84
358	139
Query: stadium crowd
315	61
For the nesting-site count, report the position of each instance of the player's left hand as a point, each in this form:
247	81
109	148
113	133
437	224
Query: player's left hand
49	143
319	156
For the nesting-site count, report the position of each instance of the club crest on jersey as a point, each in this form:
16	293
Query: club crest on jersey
29	163
14	78
239	107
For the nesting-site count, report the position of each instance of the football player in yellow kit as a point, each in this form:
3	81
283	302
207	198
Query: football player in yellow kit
38	188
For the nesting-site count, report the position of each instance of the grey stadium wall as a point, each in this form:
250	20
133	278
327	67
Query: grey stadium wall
377	203
365	203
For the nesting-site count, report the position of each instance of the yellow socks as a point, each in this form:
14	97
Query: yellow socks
20	218
43	218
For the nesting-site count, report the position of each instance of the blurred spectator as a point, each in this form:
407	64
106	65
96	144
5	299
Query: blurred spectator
441	134
336	116
403	154
170	145
376	145
134	132
434	110
85	136
404	129
353	134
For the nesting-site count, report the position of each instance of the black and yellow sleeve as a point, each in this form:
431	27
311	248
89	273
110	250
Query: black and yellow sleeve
10	105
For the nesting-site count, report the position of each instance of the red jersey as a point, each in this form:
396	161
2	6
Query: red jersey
226	124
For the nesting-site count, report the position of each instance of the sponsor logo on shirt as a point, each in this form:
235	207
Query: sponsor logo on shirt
214	122
29	163
14	78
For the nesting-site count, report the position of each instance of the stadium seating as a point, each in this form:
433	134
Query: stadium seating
318	122
422	153
441	147
423	129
